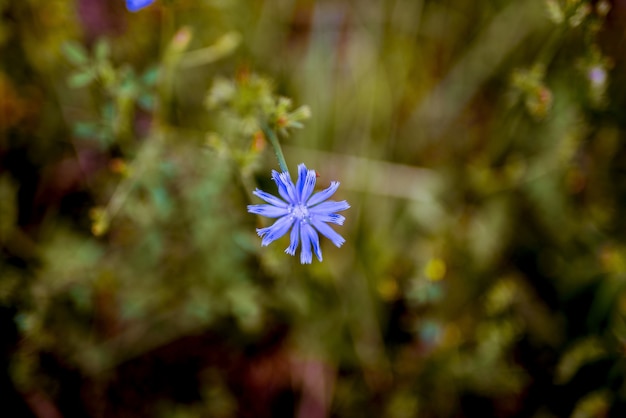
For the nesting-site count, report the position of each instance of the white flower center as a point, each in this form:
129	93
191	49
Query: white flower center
299	211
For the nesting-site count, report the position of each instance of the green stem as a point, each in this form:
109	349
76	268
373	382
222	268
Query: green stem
271	136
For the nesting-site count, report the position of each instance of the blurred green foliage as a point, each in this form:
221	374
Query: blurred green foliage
480	145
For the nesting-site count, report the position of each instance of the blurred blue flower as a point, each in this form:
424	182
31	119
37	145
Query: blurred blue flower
134	5
597	75
304	214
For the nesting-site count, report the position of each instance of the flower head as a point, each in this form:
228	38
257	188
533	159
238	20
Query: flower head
597	75
305	214
134	5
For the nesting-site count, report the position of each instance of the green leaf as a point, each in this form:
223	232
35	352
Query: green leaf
81	296
75	53
146	101
108	113
81	79
162	201
102	50
151	76
128	88
85	130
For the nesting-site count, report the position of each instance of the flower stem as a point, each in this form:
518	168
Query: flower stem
271	136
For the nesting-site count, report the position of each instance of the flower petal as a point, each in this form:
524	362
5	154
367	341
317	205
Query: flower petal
328	232
295	240
277	230
285	186
315	240
308	186
268	210
291	189
326	208
271	199
324	194
282	187
301	178
333	218
306	257
134	5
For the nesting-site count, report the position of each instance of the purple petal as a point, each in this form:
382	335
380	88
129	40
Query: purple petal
268	210
295	240
308	186
134	5
329	207
277	230
328	232
282	187
315	240
301	178
306	183
285	186
324	194
333	218
305	254
291	189
271	199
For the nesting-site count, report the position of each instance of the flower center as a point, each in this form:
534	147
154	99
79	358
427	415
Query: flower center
299	211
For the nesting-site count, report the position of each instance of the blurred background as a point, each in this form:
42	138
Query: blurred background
479	143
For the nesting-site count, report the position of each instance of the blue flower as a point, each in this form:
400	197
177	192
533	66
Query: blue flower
134	5
304	214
